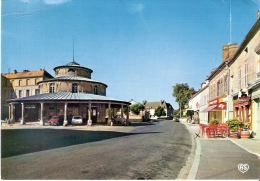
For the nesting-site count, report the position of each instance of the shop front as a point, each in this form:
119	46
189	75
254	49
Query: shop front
242	106
216	109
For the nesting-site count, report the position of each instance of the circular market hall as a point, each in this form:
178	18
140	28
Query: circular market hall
72	92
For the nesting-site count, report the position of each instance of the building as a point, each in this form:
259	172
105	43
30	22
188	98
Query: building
151	106
234	87
244	70
20	84
204	97
198	103
71	92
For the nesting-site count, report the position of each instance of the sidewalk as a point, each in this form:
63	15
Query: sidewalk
218	158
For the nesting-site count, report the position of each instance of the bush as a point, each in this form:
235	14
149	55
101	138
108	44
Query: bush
234	124
159	111
136	108
214	121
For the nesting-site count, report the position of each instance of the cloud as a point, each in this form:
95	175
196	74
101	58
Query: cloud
136	8
55	2
48	2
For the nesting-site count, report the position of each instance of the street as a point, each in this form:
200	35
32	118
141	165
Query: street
139	151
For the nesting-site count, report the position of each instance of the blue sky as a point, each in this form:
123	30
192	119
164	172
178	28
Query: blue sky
139	48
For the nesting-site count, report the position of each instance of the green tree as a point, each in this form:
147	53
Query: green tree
159	111
182	93
136	108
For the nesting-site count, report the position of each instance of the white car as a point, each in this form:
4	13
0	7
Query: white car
76	120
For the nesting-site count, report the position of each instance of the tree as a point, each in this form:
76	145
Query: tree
182	93
136	108
159	111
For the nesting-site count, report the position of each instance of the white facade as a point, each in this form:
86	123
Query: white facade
204	98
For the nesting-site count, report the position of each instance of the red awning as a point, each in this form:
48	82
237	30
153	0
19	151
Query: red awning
222	106
209	108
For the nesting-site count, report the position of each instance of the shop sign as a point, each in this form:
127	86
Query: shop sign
222	106
243	99
213	102
30	107
197	105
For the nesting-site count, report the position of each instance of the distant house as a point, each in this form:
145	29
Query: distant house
151	106
132	101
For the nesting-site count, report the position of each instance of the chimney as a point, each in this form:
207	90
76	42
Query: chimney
161	103
258	14
14	71
228	50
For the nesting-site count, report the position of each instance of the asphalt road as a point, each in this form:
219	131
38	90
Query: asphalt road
141	151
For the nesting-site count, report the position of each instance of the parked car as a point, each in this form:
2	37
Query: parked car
76	120
121	120
54	121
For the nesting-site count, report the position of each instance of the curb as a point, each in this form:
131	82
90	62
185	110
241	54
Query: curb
195	165
194	168
244	148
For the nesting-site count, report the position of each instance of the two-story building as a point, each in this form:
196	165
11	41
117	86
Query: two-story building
218	86
245	80
18	85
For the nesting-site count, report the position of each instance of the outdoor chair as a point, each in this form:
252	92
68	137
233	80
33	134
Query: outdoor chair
202	130
211	131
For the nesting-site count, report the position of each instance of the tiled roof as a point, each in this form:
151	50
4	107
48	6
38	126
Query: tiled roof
66	96
72	64
37	73
74	78
154	105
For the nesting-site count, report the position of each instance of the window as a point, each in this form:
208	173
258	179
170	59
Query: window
36	91
246	73
27	93
95	90
239	78
71	70
20	93
27	81
13	94
213	93
225	84
20	82
51	90
219	87
74	88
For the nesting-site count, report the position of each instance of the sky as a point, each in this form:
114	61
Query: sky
139	48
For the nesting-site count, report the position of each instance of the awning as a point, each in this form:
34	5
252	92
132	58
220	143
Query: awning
209	108
222	106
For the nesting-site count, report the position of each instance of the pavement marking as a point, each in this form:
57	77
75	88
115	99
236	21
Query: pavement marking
245	148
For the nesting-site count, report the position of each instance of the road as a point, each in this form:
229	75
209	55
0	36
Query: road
140	151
